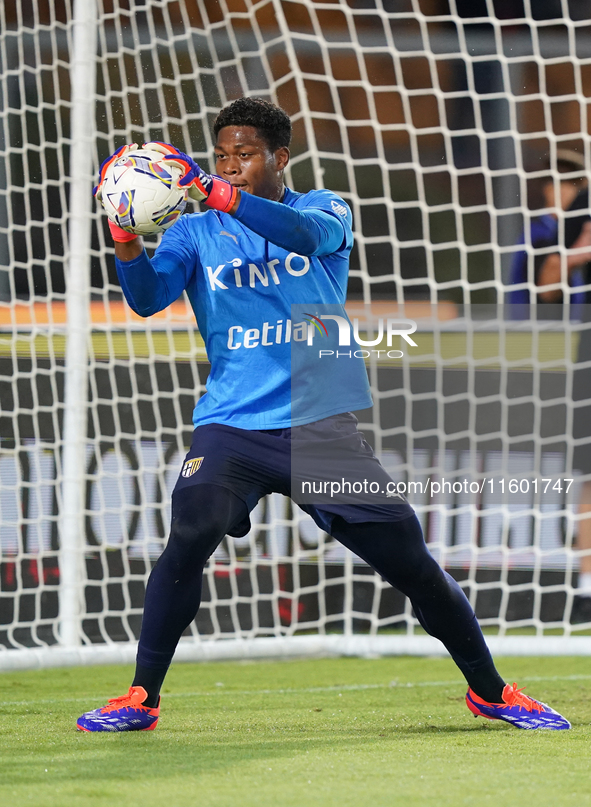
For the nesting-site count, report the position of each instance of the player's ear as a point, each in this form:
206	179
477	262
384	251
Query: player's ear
282	158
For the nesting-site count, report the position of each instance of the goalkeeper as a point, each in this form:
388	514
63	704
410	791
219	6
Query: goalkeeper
259	249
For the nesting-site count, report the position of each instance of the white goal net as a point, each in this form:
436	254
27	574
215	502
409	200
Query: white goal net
439	122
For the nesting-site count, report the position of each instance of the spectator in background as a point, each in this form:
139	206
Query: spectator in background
554	270
544	234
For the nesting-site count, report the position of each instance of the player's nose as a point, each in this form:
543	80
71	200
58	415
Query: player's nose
231	166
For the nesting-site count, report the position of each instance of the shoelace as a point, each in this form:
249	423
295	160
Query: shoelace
122	702
517	698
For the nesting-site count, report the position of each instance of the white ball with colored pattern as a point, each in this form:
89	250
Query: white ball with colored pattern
140	192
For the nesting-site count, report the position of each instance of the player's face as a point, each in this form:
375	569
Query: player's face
245	160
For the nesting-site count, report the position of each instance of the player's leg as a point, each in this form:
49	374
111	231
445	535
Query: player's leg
397	551
225	473
383	530
201	516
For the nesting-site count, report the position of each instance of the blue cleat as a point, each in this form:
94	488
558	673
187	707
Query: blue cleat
518	709
126	713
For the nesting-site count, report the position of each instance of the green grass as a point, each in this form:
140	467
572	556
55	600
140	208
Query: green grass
346	732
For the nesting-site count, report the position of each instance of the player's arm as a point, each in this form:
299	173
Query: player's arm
308	232
550	271
128	250
577	241
148	285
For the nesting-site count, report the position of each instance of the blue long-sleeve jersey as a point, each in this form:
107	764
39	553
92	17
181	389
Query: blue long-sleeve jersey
243	274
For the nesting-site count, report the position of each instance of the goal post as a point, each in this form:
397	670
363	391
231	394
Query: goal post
442	124
71	524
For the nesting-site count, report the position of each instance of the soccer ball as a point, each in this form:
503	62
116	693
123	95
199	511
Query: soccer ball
140	192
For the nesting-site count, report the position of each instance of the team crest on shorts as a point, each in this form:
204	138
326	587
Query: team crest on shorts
191	466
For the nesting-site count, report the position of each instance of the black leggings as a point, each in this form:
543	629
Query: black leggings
203	514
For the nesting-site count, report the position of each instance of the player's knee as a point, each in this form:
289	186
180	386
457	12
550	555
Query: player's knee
199	520
198	536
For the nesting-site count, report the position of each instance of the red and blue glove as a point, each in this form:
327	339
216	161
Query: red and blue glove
214	191
106	163
116	232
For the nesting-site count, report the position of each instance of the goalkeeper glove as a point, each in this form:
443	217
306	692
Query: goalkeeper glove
116	232
106	163
119	235
216	192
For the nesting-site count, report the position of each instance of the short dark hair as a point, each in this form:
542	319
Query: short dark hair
271	122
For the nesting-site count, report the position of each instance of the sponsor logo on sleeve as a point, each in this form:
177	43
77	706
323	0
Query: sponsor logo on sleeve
338	208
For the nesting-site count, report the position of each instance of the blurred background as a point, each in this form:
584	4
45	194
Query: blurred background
444	124
436	120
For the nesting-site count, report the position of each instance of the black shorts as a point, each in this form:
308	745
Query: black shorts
304	462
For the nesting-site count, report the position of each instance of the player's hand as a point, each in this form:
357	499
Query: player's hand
194	178
216	192
106	163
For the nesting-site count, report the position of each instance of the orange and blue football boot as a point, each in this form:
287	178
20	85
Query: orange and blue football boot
126	713
518	709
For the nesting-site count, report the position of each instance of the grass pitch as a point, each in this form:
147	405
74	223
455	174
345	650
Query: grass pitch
346	732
